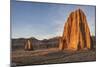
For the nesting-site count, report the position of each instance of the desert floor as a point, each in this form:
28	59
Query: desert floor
50	56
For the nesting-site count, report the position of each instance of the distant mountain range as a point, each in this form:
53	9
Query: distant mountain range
40	44
37	44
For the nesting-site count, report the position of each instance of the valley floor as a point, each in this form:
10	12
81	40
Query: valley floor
50	56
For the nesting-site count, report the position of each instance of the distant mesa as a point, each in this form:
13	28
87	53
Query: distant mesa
76	34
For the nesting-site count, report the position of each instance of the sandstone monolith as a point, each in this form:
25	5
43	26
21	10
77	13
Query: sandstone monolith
76	34
28	44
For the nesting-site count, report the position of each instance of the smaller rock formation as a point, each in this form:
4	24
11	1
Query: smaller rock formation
28	44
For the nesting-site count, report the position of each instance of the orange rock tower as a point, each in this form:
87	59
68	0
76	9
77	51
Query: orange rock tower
76	34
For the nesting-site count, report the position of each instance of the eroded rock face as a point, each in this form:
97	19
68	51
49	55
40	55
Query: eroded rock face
76	34
28	45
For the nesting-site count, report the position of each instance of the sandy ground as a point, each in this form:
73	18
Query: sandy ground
51	56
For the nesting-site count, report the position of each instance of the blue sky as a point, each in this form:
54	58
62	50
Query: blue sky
43	20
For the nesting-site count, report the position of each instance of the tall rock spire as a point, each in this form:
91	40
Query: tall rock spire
76	34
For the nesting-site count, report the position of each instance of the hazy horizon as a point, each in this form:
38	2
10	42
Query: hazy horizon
44	20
